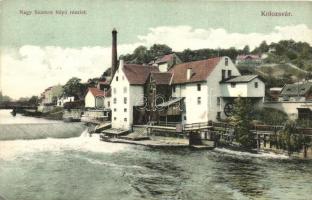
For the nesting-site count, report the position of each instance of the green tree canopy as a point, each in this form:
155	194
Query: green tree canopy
75	88
241	120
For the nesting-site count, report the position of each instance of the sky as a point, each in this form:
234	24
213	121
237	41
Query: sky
41	50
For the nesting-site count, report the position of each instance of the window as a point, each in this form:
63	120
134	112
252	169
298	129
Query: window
125	109
223	74
256	84
184	117
125	89
125	100
115	109
218	101
229	73
108	104
125	119
233	85
198	87
115	100
174	88
226	62
218	115
116	78
115	118
198	100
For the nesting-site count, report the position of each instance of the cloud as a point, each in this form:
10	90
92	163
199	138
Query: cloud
182	37
30	69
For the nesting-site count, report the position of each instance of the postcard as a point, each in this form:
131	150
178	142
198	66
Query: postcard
135	99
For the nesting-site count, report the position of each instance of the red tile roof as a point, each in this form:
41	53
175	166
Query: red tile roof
161	78
165	58
96	92
138	74
200	70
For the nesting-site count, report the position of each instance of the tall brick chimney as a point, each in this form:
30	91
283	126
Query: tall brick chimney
114	53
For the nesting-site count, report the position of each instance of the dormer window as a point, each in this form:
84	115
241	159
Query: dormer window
226	62
256	84
116	78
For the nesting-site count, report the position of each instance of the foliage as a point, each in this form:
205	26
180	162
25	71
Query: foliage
241	120
290	139
73	87
4	98
34	100
143	55
270	116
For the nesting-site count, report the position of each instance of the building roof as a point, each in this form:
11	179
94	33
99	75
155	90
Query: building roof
138	74
162	78
200	70
170	102
296	89
165	58
96	92
241	79
249	56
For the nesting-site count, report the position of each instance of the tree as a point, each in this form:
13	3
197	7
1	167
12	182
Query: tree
241	120
4	98
141	55
73	87
34	100
289	138
159	50
246	49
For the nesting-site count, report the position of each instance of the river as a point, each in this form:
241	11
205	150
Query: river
84	168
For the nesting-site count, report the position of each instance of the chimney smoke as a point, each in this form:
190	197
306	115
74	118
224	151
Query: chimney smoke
114	52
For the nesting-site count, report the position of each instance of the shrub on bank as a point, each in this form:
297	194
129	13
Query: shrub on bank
270	116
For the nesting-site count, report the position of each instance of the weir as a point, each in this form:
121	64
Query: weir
40	131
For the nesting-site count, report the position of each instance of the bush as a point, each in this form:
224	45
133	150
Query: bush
270	116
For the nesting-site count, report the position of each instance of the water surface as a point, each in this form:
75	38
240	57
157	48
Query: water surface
88	169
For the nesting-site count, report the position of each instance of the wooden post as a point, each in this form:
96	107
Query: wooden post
270	138
258	142
264	140
305	153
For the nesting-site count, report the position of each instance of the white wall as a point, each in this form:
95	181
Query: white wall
290	108
194	112
163	67
210	90
214	88
256	92
120	90
89	100
243	89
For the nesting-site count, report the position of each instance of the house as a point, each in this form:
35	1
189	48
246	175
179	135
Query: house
248	59
51	94
94	98
157	91
275	93
191	92
301	91
127	93
62	100
210	86
165	62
